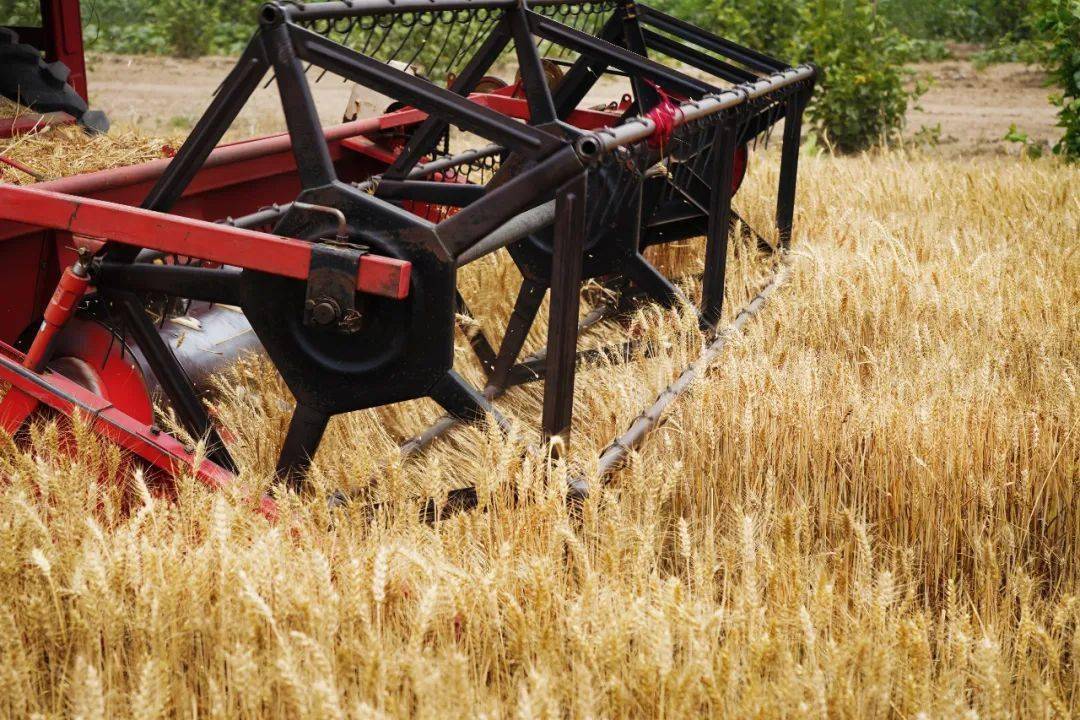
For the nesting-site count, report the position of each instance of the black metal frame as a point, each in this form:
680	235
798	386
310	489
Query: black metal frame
616	250
404	349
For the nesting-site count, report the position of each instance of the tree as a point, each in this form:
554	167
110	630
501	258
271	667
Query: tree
1062	27
865	90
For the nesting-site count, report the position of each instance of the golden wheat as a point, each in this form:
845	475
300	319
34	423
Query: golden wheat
869	508
62	150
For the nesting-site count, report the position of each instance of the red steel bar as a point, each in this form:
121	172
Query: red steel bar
32	122
12	162
171	234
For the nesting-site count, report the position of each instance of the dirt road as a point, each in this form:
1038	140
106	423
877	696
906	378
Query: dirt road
165	96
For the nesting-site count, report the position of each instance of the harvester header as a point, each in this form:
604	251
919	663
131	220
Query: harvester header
341	245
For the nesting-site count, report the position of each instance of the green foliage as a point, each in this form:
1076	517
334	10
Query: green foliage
1061	24
988	21
700	12
186	28
1030	51
928	135
861	45
772	25
922	50
20	13
1030	148
189	26
864	91
862	99
921	18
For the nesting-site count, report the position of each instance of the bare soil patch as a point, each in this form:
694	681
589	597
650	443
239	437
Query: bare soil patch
165	96
974	108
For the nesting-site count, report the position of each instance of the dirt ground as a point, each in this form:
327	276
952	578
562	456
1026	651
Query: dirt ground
968	110
974	108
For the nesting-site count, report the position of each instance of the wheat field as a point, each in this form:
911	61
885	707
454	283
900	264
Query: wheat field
868	509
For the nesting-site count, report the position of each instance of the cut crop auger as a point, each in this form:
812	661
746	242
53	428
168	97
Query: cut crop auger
341	245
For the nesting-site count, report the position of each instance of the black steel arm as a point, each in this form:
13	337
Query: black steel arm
634	41
441	193
420	93
207	133
473	223
757	61
537	92
696	59
220	285
174	381
585	71
616	56
308	141
338	9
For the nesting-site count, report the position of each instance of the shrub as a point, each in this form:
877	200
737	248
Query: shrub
772	26
989	21
921	18
920	50
237	20
190	26
864	94
1062	27
1029	51
865	90
1029	148
19	12
125	27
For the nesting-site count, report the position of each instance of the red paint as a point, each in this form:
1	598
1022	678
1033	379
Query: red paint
36	241
68	294
62	23
15	408
367	147
115	375
501	101
504	102
160	450
67	397
218	243
742	158
32	122
21	167
31	258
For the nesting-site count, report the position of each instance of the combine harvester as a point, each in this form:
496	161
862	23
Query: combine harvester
341	245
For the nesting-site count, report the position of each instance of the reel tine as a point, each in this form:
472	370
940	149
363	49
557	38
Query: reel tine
442	48
420	46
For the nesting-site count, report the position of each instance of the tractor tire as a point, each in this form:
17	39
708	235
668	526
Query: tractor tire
26	78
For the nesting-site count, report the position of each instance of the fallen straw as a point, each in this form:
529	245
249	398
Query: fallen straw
651	418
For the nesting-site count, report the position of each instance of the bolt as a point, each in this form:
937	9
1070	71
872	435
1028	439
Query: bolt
155	430
324	311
